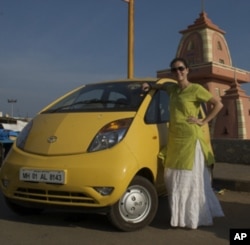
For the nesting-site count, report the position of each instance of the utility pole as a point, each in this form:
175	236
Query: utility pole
130	38
12	101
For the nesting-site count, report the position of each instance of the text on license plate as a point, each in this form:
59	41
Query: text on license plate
46	176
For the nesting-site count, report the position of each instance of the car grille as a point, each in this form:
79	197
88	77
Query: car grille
53	196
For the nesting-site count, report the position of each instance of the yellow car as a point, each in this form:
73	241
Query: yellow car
93	149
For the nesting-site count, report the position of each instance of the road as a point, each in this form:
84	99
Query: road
92	229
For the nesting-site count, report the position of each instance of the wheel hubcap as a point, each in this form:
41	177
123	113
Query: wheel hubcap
135	205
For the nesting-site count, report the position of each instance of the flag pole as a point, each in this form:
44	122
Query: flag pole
130	39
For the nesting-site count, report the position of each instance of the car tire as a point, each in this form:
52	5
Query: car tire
137	206
21	210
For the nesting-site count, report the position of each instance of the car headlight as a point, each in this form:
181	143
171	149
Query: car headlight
21	139
110	135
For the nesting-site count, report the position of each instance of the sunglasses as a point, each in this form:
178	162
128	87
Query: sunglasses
179	68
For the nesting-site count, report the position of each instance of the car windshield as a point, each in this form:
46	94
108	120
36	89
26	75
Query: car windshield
115	96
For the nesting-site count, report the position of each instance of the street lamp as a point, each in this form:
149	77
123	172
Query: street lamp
11	101
130	38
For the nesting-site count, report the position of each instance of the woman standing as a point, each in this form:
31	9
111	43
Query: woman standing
191	197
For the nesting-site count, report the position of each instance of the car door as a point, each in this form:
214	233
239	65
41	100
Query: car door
158	114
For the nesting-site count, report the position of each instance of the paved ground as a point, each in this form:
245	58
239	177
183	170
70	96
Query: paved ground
64	228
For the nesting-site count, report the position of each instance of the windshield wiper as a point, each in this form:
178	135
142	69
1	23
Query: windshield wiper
67	106
86	102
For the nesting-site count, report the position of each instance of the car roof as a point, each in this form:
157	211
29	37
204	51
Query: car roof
144	79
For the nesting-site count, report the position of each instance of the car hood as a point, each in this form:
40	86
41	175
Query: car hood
67	133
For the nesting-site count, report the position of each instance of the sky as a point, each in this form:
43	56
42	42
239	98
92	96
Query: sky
49	47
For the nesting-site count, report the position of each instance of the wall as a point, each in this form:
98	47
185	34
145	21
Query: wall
232	151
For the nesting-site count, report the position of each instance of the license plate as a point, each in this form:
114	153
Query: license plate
46	176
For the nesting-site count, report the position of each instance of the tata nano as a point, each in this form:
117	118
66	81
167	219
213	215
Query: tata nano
94	149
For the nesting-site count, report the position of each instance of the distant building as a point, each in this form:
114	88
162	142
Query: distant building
204	46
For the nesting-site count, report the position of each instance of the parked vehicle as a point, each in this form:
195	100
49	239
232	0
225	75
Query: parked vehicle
95	150
9	130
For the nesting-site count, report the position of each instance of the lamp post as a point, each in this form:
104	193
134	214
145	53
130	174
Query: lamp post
130	38
11	101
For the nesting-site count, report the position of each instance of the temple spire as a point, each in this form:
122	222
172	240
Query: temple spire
202	5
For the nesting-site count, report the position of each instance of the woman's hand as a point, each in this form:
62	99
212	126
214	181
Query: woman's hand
145	87
195	120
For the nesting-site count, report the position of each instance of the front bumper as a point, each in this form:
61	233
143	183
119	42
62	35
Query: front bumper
112	168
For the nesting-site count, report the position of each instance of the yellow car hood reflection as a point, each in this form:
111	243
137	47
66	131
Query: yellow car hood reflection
67	133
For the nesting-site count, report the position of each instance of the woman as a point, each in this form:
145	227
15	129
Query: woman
188	156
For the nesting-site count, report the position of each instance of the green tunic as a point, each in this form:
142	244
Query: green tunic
182	135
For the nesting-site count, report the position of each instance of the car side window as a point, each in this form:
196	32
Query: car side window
158	109
203	111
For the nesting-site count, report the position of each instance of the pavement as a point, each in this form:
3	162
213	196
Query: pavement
231	176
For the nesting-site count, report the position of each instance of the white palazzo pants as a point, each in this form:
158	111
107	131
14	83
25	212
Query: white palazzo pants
191	198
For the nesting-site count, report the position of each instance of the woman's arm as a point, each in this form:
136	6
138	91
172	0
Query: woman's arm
147	86
217	106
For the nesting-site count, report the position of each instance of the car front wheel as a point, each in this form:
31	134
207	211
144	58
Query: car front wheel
137	207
